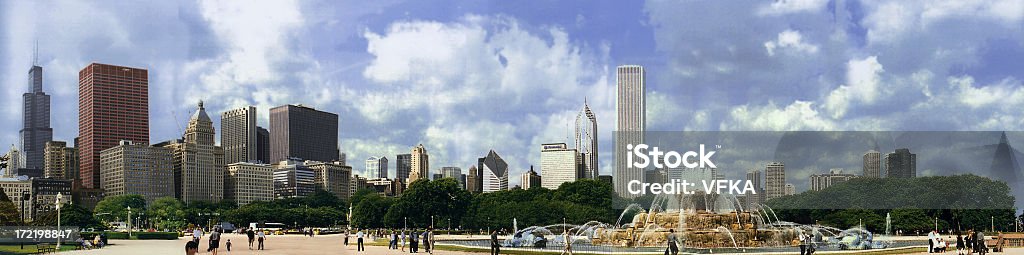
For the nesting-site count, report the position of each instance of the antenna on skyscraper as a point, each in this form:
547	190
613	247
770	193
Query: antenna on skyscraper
35	53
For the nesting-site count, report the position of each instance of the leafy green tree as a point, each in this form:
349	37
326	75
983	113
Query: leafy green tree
115	208
167	213
370	211
70	215
9	214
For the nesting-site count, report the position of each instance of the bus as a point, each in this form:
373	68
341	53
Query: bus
269	226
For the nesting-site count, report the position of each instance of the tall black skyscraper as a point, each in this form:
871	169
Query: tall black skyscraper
901	164
403	165
302	132
36	131
262	145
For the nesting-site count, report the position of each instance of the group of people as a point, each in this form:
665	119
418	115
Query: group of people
98	241
974	242
806	244
214	239
398	240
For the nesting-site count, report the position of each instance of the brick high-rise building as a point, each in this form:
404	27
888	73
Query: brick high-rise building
302	132
113	105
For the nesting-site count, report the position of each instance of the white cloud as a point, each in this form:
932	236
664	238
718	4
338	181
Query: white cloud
888	21
790	39
863	78
800	115
780	7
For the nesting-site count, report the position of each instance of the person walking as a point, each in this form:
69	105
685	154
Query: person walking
495	247
959	244
191	247
394	240
214	241
359	240
251	235
426	240
414	242
228	245
346	238
673	240
931	241
969	241
568	242
197	234
803	244
402	240
980	244
260	237
432	241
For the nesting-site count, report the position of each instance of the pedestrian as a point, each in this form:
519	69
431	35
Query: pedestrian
197	234
414	242
969	241
346	238
402	241
803	244
959	244
981	246
251	235
260	236
495	248
431	241
673	240
426	240
568	243
359	240
214	241
393	244
931	241
191	247
228	245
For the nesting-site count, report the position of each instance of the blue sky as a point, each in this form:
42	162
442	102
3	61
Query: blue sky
466	77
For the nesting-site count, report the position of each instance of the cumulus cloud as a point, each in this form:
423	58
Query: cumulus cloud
780	7
790	39
862	79
799	115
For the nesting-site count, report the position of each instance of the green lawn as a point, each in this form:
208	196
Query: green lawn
29	249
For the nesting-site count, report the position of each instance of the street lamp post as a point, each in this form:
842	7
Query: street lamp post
59	197
129	219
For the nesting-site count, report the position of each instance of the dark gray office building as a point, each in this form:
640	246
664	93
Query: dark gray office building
403	166
262	145
36	131
304	133
901	164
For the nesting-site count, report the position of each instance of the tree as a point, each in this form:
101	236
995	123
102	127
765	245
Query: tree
443	198
115	208
9	214
370	211
70	215
168	213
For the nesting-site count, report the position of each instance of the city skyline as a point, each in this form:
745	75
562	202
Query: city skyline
818	66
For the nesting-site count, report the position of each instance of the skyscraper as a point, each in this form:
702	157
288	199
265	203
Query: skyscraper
133	168
473	180
60	161
403	166
36	119
198	169
419	164
493	172
113	105
630	108
377	167
586	142
531	179
293	179
262	145
901	164
872	164
558	165
775	180
332	177
833	177
753	200
238	135
302	132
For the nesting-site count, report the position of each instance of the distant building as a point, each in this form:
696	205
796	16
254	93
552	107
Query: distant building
343	159
36	129
775	180
419	164
60	161
239	135
901	164
531	179
262	145
113	105
872	164
198	162
754	200
823	181
332	177
14	162
586	142
453	172
473	180
493	172
249	182
293	179
44	194
19	190
631	111
403	166
558	164
790	189
139	169
385	187
377	167
303	132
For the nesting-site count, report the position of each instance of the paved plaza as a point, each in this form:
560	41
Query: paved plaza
282	245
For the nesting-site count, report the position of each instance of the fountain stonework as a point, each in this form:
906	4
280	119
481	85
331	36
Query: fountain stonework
698	229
